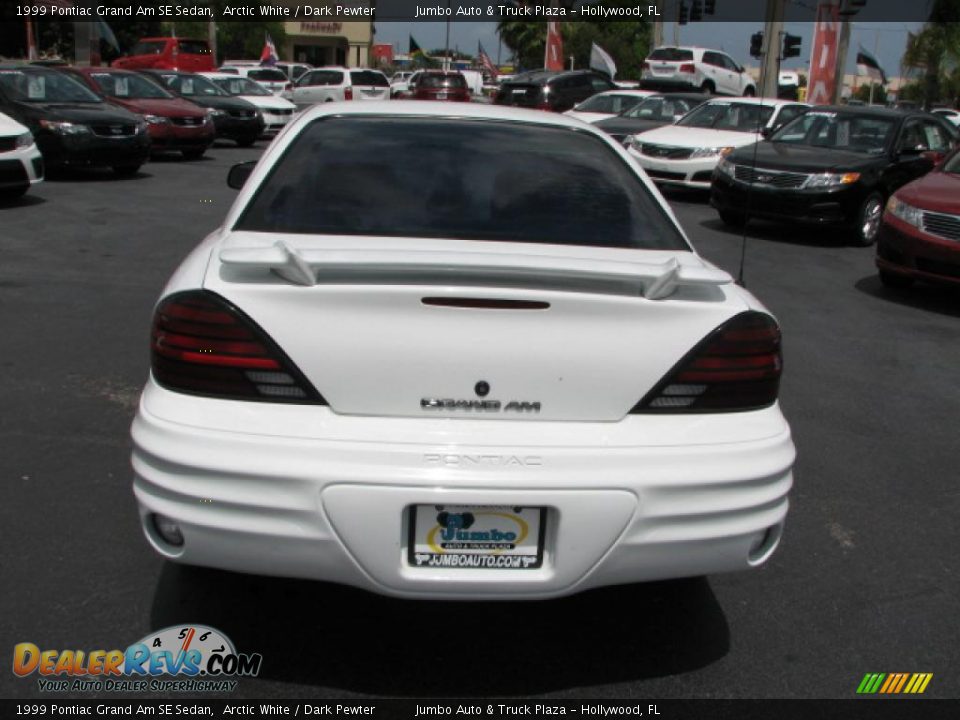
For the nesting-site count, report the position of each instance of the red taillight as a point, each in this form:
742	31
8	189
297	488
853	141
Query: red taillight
646	66
736	367
348	93
203	345
688	68
544	105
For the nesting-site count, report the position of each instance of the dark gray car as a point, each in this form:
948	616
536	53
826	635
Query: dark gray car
650	113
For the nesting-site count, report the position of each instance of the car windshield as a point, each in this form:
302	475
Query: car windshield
154	47
611	104
659	108
442	81
39	86
490	180
867	134
132	86
738	117
194	86
241	86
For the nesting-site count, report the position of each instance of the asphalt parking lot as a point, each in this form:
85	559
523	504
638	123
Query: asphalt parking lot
866	580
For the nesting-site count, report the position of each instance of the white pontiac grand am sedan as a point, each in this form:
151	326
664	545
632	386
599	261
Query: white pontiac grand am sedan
458	352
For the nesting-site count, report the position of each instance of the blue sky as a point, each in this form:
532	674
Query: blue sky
889	38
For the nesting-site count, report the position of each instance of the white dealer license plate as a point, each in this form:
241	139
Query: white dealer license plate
476	536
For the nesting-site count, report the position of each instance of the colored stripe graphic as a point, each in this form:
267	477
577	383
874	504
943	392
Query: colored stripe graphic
894	683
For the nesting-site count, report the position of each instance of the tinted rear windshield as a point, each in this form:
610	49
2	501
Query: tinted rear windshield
671	55
194	47
154	47
458	179
268	75
366	77
124	85
442	81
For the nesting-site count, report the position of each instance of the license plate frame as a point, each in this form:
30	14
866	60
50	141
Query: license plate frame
478	537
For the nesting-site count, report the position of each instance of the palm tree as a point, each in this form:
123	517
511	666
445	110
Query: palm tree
526	39
936	48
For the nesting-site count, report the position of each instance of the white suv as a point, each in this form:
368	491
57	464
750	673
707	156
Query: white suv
334	84
692	68
273	79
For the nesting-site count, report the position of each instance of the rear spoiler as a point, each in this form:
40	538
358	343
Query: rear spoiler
308	267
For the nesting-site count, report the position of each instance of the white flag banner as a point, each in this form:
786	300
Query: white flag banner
600	60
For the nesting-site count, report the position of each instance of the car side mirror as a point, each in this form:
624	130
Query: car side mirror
237	177
768	131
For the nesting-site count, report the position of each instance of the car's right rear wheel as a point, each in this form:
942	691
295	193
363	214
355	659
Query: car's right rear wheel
14	192
895	281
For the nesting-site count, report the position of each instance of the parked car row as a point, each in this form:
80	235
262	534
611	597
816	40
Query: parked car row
888	176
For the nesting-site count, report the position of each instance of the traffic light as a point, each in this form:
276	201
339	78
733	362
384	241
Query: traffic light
709	7
682	13
852	7
791	46
756	44
696	10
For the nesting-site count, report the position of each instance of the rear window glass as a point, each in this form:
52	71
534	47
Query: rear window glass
447	81
322	77
366	77
671	55
194	47
124	85
267	75
149	48
489	180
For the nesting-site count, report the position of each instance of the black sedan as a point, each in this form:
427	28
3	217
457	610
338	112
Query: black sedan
652	112
832	166
72	125
233	118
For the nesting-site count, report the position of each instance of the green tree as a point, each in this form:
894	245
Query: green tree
936	49
879	94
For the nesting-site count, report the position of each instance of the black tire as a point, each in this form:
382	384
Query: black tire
195	154
126	170
895	281
13	193
868	220
246	142
750	91
708	88
734	219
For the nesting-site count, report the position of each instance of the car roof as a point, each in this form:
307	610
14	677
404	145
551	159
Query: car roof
771	102
869	110
219	75
439	110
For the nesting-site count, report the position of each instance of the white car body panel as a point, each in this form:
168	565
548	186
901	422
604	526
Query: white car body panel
592	117
274	86
10	128
725	80
678	136
303	95
276	111
323	492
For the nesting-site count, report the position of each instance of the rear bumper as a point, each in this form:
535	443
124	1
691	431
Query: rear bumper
904	250
670	84
300	491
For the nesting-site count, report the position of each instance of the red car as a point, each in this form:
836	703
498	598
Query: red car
919	237
168	53
174	124
439	85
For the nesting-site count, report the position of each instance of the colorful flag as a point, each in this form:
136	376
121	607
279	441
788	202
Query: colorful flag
868	65
553	58
268	56
415	50
600	60
487	63
822	80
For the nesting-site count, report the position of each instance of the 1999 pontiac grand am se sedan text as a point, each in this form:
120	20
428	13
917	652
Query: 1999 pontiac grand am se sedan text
508	377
